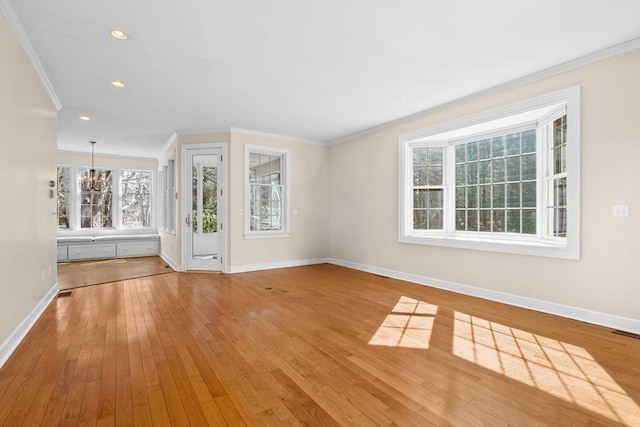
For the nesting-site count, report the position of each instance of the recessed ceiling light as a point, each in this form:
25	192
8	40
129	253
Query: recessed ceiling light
85	118
118	34
118	83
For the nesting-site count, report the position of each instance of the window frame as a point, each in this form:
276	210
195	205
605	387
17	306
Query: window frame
70	197
121	194
285	179
160	204
75	205
539	244
115	208
167	197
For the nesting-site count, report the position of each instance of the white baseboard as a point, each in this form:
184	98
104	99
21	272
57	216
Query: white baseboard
273	265
169	261
589	316
11	343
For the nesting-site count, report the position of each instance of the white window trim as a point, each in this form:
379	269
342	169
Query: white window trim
152	192
167	195
568	248
160	202
286	175
115	192
116	214
72	199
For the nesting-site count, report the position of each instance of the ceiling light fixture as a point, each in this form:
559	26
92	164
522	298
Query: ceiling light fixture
118	83
118	34
90	180
85	118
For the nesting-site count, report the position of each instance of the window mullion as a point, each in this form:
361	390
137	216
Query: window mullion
542	186
116	194
75	198
407	188
450	189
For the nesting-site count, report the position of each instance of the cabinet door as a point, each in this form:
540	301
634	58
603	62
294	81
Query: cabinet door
106	250
137	249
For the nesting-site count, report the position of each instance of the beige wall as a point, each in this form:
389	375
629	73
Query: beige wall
364	201
27	164
309	195
171	244
169	247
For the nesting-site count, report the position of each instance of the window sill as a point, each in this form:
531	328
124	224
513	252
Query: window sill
266	235
551	249
107	232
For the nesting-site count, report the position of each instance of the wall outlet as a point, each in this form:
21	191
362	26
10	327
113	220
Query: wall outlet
620	211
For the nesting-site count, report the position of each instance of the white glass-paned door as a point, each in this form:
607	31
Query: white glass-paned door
203	242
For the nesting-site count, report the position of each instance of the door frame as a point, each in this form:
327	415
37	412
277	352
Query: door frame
185	176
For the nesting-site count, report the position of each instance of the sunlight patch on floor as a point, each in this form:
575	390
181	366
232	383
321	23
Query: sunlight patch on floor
409	325
560	369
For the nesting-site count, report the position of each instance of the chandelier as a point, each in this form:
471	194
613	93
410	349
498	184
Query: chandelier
90	180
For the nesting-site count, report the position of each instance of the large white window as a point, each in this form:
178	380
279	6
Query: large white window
266	192
124	201
505	180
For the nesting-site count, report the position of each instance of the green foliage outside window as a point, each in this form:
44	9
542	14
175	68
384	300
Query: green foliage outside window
209	221
209	198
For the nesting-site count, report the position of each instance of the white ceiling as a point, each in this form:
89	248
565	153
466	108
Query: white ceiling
317	70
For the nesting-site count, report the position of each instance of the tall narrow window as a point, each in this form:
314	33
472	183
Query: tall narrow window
161	198
96	207
168	197
266	205
428	188
64	197
208	176
557	181
135	191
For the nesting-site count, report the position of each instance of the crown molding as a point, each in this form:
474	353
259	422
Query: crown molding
231	130
104	156
21	35
171	140
275	135
564	67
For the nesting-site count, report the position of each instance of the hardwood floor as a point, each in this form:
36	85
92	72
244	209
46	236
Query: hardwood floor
319	346
83	273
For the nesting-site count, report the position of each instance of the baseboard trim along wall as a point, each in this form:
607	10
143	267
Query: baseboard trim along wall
169	261
273	265
16	337
588	316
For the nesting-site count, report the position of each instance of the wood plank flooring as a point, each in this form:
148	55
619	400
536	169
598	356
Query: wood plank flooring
315	346
83	273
